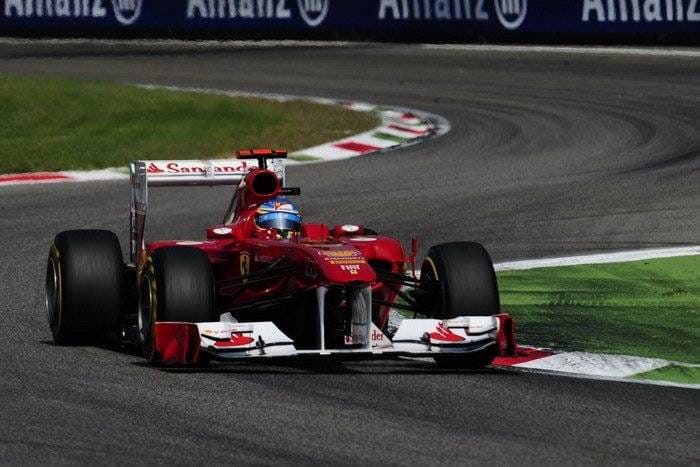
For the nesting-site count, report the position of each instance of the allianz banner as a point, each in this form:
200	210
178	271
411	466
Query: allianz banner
424	20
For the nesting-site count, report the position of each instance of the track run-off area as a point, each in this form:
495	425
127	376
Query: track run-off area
551	153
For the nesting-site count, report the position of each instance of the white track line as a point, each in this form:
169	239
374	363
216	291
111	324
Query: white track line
194	44
652	382
582	50
233	44
601	258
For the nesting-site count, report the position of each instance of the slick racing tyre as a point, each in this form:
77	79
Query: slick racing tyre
469	288
177	284
468	280
85	287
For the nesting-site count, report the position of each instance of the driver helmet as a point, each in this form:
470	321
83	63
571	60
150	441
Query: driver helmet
279	214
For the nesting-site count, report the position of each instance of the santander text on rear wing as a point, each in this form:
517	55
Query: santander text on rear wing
201	172
190	173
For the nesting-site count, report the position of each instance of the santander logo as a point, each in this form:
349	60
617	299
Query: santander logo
237	340
441	333
178	168
154	169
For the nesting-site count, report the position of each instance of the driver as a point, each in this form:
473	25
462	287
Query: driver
279	214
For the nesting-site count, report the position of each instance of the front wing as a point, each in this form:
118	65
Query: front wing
186	343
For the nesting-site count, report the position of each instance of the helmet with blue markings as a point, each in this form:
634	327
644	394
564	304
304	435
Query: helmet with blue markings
279	214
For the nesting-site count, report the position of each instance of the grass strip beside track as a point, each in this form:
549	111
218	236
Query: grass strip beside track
673	373
647	308
58	124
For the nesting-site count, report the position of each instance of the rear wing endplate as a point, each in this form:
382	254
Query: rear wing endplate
184	173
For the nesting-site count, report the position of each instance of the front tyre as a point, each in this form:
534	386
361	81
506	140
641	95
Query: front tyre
468	282
85	287
177	284
466	273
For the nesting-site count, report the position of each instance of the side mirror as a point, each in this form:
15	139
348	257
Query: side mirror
291	191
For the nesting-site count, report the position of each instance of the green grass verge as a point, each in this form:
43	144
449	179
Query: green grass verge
673	373
53	124
647	308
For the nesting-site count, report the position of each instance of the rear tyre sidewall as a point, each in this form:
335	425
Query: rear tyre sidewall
177	284
85	287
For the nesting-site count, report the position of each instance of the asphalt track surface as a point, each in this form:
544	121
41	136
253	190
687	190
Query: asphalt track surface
549	154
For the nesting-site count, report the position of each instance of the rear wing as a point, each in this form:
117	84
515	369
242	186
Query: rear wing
189	173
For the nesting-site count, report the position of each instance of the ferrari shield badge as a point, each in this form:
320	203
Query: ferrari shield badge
245	263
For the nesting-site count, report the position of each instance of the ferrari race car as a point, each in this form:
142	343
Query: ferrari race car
264	284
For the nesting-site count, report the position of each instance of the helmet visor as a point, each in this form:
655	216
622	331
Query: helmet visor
282	221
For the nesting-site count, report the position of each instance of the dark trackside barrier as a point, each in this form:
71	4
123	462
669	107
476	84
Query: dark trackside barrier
516	21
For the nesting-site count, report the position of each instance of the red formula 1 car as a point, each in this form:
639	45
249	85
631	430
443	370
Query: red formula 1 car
264	284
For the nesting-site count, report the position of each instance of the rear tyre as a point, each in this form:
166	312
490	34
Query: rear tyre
177	284
469	288
85	287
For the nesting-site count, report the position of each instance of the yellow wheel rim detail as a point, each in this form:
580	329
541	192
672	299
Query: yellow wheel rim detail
429	260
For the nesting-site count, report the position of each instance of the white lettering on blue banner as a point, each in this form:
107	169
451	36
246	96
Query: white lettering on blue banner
647	11
313	12
510	13
126	12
